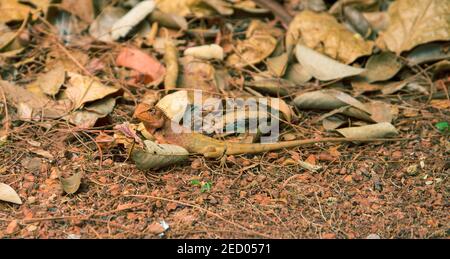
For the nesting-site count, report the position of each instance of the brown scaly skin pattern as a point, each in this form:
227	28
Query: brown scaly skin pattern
197	143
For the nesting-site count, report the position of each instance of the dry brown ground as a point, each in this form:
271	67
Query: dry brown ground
361	190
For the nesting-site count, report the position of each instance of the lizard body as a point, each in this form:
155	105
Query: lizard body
212	148
197	143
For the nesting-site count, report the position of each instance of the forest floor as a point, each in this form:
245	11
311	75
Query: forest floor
79	55
394	190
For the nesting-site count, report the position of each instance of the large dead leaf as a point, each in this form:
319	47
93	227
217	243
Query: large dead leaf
142	63
380	130
322	67
8	194
156	156
32	106
415	22
323	33
83	89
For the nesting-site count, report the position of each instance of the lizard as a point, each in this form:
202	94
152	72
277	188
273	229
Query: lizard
197	143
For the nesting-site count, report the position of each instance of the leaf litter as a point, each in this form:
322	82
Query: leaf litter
90	87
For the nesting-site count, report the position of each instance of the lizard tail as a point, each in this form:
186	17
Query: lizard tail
236	149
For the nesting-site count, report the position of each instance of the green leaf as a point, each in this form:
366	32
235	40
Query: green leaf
443	126
206	187
195	182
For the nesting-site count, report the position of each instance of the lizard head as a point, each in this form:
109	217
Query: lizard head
152	118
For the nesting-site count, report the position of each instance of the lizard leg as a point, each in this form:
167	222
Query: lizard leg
214	152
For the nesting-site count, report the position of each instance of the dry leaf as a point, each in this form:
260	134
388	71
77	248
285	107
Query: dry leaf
328	100
87	117
8	40
382	67
142	63
297	74
357	21
379	21
381	111
309	167
168	20
413	23
184	7
156	156
278	65
249	6
380	130
12	10
40	4
273	87
171	60
83	89
259	45
12	227
323	33
72	184
323	67
333	122
155	228
220	6
123	26
42	153
84	9
212	51
198	74
51	82
174	105
8	194
440	104
360	86
101	28
31	106
428	53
